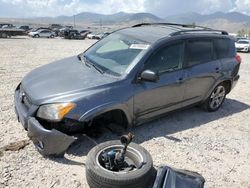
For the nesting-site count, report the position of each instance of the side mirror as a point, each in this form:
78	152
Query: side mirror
149	75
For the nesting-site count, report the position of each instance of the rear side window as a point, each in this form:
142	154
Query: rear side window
224	48
199	51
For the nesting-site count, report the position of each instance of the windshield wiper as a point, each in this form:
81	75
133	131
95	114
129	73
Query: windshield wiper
98	68
88	63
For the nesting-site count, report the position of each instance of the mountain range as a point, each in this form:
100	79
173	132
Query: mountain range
232	21
127	17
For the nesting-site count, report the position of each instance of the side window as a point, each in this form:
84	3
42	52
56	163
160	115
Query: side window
224	48
166	59
199	51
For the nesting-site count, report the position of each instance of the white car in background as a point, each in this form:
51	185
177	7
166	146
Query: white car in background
242	45
91	36
42	33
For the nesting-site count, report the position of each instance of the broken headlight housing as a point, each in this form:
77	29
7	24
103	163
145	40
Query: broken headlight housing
54	112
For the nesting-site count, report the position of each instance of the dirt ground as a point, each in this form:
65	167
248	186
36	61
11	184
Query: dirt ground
217	145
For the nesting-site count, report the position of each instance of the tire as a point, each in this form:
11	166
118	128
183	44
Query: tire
99	177
216	98
4	35
36	36
52	36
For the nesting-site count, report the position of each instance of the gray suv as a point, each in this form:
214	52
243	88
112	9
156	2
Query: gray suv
131	76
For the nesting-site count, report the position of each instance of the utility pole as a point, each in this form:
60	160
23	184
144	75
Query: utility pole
74	20
100	24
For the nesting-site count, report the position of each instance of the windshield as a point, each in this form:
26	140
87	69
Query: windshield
115	53
243	42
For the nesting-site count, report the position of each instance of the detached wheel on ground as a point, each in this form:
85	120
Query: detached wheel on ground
140	176
216	99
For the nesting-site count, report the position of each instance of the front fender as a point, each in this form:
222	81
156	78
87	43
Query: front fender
98	110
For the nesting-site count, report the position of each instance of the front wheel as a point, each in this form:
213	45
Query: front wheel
4	35
140	176
216	99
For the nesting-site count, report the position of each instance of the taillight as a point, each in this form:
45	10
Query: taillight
238	58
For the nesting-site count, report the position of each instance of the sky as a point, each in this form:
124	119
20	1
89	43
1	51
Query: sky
161	8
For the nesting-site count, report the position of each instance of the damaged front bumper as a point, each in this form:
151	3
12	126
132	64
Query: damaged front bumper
48	142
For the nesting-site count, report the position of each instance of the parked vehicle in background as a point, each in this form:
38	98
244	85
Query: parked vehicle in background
84	33
8	30
97	36
64	31
129	77
56	32
42	33
73	34
241	38
69	26
55	26
25	28
6	25
40	28
104	34
243	45
91	35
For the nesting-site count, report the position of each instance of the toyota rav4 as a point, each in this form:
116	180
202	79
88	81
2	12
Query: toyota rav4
131	76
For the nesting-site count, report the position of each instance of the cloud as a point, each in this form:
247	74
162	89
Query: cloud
162	8
242	6
171	7
28	8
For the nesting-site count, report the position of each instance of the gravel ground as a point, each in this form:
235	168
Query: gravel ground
213	144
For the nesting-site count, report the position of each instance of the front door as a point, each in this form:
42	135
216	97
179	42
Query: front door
155	98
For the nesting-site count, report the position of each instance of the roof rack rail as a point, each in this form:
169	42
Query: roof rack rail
200	31
171	24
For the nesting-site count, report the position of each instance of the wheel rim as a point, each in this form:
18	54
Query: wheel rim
217	97
132	157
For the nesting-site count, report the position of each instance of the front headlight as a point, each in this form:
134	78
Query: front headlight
54	112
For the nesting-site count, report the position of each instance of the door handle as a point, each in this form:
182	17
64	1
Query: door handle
217	69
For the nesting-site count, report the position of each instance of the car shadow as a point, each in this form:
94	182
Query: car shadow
161	127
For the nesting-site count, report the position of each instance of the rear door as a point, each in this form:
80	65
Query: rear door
154	98
202	69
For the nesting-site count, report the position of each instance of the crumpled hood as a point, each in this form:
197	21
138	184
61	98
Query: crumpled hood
62	78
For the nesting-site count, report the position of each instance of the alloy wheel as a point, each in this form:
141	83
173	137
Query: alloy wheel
217	97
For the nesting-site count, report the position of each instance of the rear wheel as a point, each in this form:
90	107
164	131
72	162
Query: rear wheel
140	176
36	36
216	99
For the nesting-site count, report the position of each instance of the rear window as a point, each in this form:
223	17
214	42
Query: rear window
224	48
199	51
